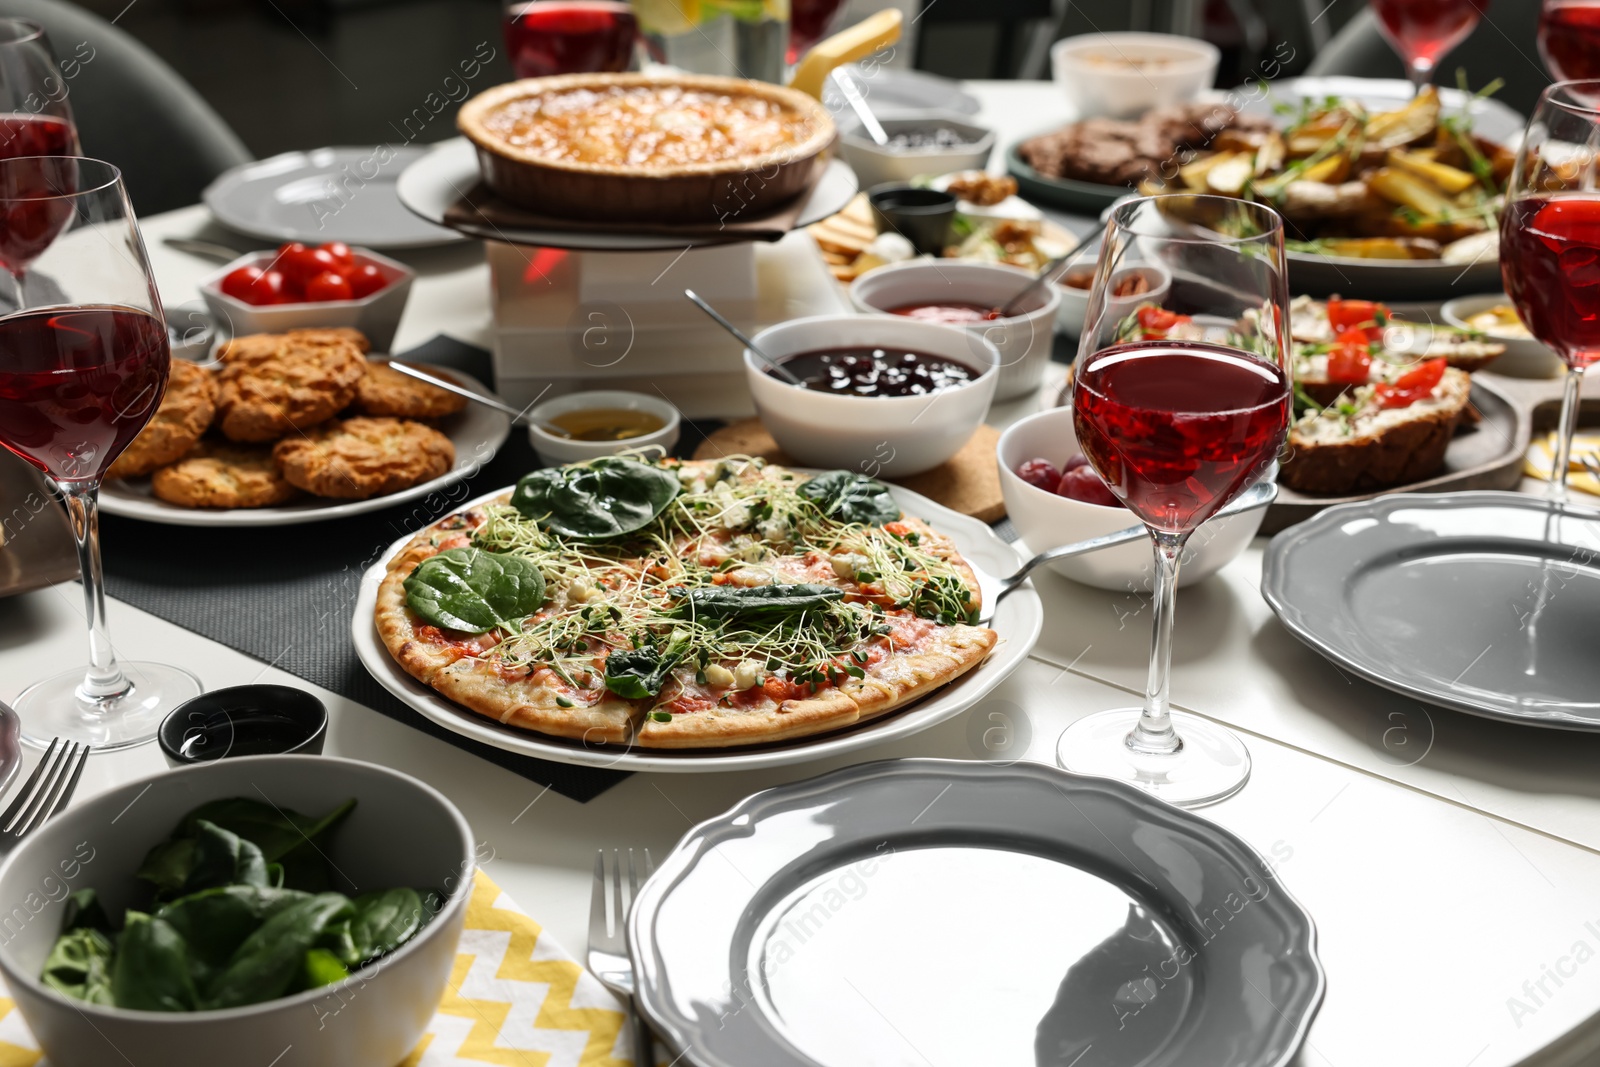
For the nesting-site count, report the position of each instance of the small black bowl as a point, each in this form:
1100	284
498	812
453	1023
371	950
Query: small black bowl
921	216
246	720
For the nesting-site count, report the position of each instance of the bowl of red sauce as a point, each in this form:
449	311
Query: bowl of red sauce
963	296
884	395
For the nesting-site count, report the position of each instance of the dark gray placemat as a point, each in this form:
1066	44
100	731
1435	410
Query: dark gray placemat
284	594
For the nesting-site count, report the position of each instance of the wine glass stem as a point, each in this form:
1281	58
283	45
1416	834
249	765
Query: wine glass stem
1565	429
1154	733
1421	72
104	678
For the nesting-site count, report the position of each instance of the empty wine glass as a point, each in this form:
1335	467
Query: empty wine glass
1180	405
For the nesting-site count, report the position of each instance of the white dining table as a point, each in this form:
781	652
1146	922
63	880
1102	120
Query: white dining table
1452	864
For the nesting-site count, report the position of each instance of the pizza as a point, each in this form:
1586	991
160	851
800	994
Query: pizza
674	605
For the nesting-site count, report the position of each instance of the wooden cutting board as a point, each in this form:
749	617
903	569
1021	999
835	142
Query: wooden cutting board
968	482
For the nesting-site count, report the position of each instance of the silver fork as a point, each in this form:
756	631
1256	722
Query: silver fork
45	793
996	589
608	940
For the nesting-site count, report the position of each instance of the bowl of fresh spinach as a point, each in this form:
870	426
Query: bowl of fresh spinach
296	905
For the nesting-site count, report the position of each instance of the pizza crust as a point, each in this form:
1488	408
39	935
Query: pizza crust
722	727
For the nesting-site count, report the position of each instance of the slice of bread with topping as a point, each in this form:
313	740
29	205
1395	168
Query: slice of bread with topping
1359	444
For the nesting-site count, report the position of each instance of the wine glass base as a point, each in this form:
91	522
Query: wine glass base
56	708
1212	765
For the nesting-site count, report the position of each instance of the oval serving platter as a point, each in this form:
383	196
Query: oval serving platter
933	911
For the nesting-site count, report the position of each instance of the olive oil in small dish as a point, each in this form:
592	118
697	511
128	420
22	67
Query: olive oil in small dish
603	424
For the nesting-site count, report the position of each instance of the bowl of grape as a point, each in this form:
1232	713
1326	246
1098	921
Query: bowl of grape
1055	498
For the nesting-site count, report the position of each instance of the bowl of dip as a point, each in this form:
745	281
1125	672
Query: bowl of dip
601	422
1123	75
884	395
1494	316
964	296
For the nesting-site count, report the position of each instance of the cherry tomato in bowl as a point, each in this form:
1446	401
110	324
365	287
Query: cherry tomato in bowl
258	293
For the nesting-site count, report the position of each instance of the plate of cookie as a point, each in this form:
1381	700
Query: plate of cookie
297	427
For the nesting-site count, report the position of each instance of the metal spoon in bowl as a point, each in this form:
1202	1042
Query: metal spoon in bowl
1048	274
997	589
858	103
783	372
517	417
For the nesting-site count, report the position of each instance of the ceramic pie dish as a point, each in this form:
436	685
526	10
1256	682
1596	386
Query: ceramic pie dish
642	148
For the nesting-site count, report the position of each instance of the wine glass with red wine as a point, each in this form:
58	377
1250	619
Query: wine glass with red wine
1550	242
545	37
35	117
83	365
1180	405
1569	38
1425	31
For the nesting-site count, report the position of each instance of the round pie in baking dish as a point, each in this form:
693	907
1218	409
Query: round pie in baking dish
642	148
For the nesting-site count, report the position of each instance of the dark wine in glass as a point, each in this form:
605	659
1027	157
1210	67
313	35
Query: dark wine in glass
1180	407
1425	31
1550	243
84	360
1569	38
570	37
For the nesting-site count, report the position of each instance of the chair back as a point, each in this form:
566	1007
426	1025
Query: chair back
133	110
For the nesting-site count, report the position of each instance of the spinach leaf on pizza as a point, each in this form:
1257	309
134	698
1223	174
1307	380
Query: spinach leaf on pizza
609	497
850	497
475	591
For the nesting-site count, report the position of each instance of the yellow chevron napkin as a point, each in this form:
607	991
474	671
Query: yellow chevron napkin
1541	457
515	999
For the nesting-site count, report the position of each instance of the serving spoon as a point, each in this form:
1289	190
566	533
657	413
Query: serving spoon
1048	274
997	589
518	418
858	103
783	372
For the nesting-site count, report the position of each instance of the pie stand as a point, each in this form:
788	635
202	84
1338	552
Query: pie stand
580	309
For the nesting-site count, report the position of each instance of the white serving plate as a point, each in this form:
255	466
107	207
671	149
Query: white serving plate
1018	622
476	431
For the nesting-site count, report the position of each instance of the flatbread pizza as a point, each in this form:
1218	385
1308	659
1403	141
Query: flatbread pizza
671	604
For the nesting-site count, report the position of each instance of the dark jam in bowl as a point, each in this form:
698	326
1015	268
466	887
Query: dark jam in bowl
866	371
949	313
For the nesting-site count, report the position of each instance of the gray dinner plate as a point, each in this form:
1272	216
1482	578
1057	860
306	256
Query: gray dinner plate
948	913
326	194
1483	602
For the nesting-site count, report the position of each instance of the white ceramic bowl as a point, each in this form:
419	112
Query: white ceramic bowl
1024	340
1048	521
876	164
1089	69
402	833
878	436
377	315
1525	357
1074	305
554	451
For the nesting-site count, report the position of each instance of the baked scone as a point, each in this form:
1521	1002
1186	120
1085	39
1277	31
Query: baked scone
385	391
361	457
273	384
223	475
186	411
